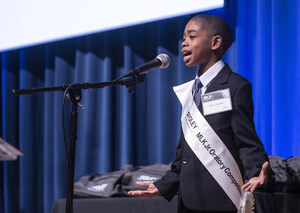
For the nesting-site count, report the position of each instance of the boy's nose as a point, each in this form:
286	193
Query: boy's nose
183	44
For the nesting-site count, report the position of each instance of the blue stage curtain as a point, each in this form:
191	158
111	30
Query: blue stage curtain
117	128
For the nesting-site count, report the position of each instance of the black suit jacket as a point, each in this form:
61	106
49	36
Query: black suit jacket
198	190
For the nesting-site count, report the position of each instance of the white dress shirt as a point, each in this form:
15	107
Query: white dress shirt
207	76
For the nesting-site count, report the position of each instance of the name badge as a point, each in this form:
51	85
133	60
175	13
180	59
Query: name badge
215	102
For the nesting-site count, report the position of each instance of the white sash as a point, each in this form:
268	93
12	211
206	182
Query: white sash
210	149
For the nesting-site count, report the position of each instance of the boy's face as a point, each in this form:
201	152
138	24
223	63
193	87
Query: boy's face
196	45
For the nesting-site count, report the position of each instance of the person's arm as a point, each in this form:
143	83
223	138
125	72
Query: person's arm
251	149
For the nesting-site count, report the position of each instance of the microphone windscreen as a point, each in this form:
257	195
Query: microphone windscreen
165	60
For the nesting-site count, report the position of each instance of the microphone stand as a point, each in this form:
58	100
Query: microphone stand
75	97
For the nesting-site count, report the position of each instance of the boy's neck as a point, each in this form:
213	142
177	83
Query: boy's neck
204	67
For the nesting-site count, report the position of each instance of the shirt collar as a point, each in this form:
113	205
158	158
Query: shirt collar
207	76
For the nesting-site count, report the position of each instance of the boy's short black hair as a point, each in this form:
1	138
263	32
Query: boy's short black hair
215	25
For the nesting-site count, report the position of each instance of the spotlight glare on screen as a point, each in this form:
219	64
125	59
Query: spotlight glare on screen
31	22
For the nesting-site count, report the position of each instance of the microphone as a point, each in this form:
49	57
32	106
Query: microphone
162	61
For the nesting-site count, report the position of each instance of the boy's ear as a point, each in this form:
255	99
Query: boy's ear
216	42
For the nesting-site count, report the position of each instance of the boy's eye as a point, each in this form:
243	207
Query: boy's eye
192	37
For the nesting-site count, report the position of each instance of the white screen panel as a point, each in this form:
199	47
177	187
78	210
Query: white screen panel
29	22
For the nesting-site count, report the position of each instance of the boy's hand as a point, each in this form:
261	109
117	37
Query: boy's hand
256	182
151	191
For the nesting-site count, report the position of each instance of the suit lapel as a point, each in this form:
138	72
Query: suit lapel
220	80
217	83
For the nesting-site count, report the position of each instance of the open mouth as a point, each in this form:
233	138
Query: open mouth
187	56
186	53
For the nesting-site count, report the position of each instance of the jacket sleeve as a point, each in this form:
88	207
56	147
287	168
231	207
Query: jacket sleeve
251	149
168	185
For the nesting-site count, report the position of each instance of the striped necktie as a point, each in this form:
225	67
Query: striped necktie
197	91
